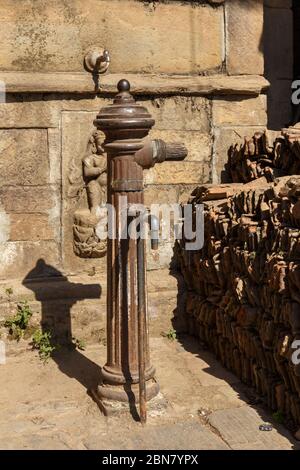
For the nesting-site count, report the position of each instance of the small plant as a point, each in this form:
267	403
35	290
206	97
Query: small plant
79	343
9	291
278	417
171	334
42	342
18	324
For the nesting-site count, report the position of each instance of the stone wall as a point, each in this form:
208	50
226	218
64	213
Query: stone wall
278	44
198	68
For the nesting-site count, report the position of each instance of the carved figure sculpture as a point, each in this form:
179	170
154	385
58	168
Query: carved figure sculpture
91	176
94	173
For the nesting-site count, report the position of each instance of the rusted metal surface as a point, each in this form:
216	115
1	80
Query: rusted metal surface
128	375
97	61
142	346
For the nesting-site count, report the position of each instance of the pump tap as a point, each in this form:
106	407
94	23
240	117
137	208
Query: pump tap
157	151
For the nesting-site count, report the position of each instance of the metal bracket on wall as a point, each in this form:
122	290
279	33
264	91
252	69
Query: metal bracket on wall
97	61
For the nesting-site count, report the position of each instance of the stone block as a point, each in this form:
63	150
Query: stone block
190	435
17	259
194	169
171	173
161	258
278	3
37	199
173	113
164	282
198	145
54	36
16	113
43	111
4	226
78	303
180	113
280	108
239	111
244	29
24	157
142	84
223	139
239	427
59	288
278	43
54	150
160	195
30	227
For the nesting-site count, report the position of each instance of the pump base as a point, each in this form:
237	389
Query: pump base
118	399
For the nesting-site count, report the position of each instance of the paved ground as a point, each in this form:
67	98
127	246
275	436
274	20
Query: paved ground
205	407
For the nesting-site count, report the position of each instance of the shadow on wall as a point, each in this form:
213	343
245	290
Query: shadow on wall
57	298
278	55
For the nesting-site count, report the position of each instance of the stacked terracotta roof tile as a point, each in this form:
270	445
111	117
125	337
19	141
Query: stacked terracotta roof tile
243	295
271	154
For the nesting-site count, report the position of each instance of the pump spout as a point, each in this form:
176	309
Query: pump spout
168	151
134	210
157	151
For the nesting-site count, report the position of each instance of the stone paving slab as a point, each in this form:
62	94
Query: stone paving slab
46	406
176	436
239	427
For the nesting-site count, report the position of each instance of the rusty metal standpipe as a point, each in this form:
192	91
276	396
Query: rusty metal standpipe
142	319
143	217
128	375
141	327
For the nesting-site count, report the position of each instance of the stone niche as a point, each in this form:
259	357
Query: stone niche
81	247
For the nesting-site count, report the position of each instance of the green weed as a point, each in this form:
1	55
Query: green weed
79	343
278	417
171	334
18	324
42	342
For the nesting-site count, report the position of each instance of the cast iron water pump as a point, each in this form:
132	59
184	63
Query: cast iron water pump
128	375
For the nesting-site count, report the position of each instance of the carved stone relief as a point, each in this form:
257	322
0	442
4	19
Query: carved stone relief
89	176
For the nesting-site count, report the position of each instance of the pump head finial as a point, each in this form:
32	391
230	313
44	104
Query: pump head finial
123	85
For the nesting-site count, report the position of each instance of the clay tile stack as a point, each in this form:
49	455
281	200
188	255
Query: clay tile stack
243	296
271	154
